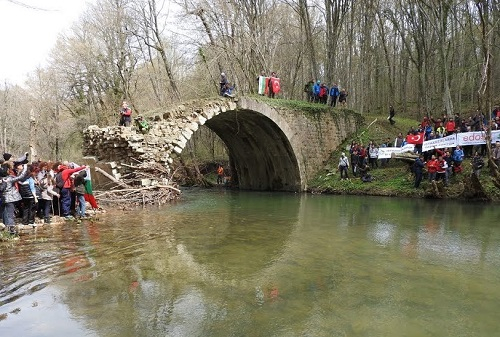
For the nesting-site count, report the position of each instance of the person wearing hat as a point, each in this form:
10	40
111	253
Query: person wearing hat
343	166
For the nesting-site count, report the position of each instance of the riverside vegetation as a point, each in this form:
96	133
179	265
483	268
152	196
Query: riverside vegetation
396	179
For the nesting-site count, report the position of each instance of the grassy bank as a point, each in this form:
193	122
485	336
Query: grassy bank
395	179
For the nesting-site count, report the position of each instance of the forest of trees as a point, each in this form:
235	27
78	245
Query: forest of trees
422	56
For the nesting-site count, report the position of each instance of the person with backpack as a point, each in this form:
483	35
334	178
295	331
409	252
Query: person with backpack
10	194
343	97
64	183
308	89
79	183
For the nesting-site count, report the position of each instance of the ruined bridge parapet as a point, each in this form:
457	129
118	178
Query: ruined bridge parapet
168	135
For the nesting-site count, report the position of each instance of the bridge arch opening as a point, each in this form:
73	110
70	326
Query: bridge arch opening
261	156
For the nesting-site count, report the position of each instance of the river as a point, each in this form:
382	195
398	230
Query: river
225	263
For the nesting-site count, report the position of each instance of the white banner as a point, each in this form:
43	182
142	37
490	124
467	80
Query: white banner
475	138
440	143
386	152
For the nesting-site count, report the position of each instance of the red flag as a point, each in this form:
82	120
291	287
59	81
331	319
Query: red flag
415	139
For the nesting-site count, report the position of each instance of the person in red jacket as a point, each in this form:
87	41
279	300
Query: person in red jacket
432	168
66	173
450	127
125	115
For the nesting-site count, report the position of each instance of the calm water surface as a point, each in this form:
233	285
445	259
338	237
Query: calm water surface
224	263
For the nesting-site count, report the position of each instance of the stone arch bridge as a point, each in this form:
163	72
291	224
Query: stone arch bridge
271	146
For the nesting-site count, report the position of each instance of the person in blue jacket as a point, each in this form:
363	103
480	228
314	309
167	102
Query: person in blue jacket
334	94
458	157
316	90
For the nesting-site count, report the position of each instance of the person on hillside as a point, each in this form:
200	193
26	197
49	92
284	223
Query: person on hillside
391	115
353	151
450	126
432	168
496	153
418	167
363	170
398	142
334	94
477	164
496	112
343	97
448	165
373	155
343	166
125	115
458	157
10	194
220	175
442	166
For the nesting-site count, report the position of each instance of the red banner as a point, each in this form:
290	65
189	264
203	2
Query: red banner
415	139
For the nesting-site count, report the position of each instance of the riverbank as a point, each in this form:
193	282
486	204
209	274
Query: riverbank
396	179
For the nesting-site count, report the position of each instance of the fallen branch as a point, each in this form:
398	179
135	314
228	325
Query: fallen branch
109	176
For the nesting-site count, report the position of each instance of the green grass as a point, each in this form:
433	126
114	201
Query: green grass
395	179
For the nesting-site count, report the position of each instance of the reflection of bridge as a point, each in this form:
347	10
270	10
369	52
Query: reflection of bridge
270	148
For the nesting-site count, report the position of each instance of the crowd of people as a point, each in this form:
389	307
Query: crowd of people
318	92
42	189
439	164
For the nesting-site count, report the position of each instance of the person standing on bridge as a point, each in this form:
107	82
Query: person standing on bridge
125	115
273	85
223	84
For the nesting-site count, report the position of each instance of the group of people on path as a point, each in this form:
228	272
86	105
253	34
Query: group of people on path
318	92
42	189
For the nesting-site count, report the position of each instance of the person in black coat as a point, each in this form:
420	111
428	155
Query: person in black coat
418	167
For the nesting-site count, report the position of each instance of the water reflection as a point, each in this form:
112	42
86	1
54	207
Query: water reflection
256	264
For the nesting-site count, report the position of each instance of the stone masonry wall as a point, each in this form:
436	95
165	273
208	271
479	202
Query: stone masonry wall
313	136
